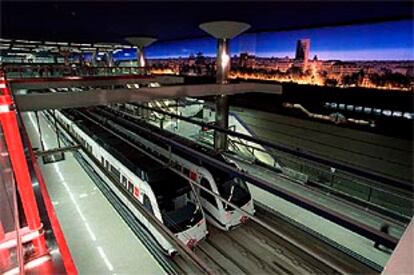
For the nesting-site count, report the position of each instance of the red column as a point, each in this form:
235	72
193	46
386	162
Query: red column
4	254
18	161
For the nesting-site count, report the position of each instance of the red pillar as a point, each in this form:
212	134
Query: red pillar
4	254
18	161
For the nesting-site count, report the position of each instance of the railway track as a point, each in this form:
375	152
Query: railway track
251	249
252	252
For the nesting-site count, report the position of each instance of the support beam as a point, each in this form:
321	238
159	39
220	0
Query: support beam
110	59
94	58
222	120
140	57
223	31
223	62
222	103
90	81
42	101
141	43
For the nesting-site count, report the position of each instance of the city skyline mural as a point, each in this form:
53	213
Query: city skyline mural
376	55
379	41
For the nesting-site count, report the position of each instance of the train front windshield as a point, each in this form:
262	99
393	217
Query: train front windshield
182	218
177	203
233	189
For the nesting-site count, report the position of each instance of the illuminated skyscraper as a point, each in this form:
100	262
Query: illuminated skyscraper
243	59
302	49
302	52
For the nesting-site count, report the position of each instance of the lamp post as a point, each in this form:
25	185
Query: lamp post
224	31
140	43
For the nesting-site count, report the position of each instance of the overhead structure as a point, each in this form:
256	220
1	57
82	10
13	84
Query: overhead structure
96	97
108	48
141	42
223	31
15	45
26	47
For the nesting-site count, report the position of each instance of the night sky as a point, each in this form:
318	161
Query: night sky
380	41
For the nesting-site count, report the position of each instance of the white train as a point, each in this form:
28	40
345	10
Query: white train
229	187
167	196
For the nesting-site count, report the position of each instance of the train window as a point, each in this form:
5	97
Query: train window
174	165
103	161
186	171
397	114
210	198
143	176
130	187
115	172
387	112
408	115
147	203
377	111
124	181
367	110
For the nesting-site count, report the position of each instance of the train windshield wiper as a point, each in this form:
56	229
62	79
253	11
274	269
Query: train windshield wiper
231	192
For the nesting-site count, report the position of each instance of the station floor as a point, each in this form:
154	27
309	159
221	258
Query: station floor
99	240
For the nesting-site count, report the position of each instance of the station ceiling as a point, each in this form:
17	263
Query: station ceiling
97	21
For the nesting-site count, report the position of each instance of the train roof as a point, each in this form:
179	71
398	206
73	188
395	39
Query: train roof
163	181
167	134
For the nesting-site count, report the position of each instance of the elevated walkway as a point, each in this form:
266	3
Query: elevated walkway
41	101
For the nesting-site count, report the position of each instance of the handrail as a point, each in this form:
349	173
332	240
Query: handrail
403	185
58	70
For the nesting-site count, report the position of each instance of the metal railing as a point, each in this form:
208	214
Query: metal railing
343	183
11	249
328	174
25	245
50	71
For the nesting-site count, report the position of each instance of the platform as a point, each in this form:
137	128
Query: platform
99	240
